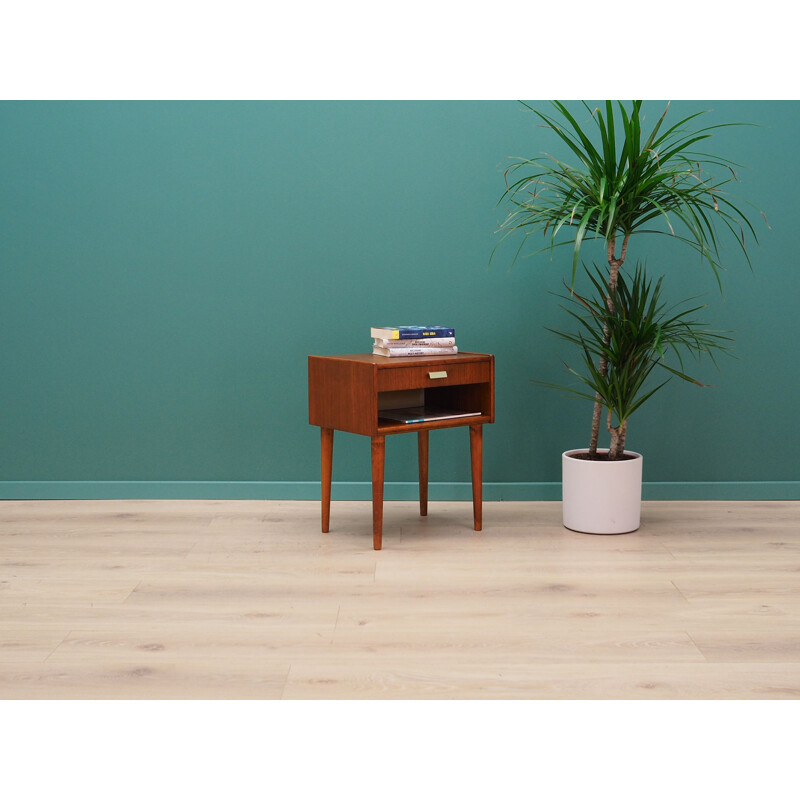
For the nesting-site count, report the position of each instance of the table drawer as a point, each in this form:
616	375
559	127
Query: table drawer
423	376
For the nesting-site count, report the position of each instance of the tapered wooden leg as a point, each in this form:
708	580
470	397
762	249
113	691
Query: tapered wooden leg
422	447
476	457
327	467
378	457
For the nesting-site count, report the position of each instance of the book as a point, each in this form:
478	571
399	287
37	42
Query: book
411	332
423	414
434	341
413	351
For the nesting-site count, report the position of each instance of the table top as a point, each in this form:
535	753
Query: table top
388	361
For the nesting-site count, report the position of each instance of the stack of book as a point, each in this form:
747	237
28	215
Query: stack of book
414	340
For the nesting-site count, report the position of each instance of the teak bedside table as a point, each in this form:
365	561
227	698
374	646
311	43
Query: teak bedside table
348	393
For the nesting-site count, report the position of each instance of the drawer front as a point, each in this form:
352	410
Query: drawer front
421	377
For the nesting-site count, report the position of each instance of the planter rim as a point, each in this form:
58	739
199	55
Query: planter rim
568	453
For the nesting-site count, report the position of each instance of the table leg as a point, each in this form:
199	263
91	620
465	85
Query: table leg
422	447
327	467
378	457
476	457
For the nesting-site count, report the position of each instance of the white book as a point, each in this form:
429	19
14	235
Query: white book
413	351
401	344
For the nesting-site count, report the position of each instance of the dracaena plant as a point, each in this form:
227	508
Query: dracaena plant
623	181
635	335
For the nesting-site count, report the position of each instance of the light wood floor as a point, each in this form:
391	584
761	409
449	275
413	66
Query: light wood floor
228	599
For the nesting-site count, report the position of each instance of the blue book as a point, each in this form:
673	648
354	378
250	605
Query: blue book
411	332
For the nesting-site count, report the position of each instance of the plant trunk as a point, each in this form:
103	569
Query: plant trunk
618	434
614	265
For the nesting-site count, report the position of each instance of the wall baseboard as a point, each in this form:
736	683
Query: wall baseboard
362	490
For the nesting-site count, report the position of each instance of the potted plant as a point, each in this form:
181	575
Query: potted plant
625	182
633	332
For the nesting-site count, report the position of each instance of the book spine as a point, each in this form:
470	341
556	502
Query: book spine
411	333
402	344
414	351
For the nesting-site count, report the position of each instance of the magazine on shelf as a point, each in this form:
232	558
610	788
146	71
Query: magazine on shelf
423	414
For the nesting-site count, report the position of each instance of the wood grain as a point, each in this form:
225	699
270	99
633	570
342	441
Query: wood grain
248	599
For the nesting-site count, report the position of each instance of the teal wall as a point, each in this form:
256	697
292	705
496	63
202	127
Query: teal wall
166	267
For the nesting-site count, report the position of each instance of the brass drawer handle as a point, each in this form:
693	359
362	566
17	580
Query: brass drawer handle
442	374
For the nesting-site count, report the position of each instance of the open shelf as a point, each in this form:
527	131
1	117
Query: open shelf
434	407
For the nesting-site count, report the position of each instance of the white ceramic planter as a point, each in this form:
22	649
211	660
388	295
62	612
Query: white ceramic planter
601	496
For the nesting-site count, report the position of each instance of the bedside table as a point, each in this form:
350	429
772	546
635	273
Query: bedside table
360	393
